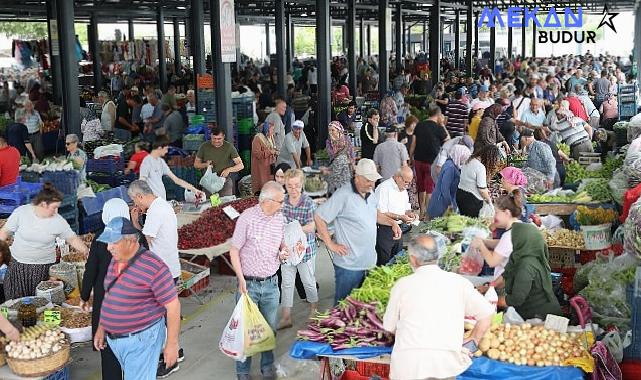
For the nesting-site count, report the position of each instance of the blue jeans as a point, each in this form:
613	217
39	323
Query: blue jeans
138	355
346	280
266	296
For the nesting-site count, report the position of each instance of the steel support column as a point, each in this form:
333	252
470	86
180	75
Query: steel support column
468	38
369	40
351	45
323	53
130	30
162	63
457	39
54	51
637	40
383	53
288	41
404	40
281	60
94	51
222	74
424	41
398	24
197	42
435	41
476	36
293	41
177	61
523	41
509	42
267	41
361	38
492	61
70	94
533	40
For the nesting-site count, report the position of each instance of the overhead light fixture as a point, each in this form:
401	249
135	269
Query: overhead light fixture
303	15
181	7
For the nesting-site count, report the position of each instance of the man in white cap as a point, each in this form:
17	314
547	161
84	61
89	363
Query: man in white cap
295	141
353	212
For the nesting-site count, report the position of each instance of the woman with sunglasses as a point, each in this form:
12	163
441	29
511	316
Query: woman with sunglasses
76	155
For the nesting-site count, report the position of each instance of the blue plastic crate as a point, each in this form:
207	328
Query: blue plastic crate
192	143
94	205
633	351
20	192
65	181
91	223
69	200
68	213
109	165
111	180
627	109
242	107
7	208
63	374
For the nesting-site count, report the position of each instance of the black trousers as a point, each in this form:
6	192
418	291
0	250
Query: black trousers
468	204
386	246
110	366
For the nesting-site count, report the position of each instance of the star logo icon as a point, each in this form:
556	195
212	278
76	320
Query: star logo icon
607	19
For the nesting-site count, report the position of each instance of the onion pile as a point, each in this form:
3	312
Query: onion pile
531	345
37	342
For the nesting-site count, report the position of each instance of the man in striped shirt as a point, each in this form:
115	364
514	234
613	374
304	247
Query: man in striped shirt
257	249
456	113
139	293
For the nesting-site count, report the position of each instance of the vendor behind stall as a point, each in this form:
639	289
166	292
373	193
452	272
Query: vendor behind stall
35	228
429	341
76	155
528	285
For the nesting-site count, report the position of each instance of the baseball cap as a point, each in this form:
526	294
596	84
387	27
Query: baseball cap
484	88
462	91
116	229
527	132
367	169
391	129
298	124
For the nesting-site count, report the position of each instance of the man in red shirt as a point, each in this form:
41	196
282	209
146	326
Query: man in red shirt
577	107
9	162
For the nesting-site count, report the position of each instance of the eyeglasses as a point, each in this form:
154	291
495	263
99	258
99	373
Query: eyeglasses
274	200
69	143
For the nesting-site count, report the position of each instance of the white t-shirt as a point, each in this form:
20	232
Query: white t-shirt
151	170
34	238
483	103
161	227
504	249
391	199
473	178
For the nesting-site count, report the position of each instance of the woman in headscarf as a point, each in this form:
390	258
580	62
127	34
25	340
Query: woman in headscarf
341	157
94	278
264	155
528	284
489	133
444	195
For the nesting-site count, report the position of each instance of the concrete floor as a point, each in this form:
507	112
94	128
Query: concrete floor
203	325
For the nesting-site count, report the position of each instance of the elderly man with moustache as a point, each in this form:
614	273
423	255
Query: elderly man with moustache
352	210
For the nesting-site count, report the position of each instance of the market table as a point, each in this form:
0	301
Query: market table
482	368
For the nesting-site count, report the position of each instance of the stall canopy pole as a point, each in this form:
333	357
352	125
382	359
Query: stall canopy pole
130	29
177	62
288	39
476	36
351	45
323	31
94	50
369	40
399	37
509	42
197	45
267	41
70	94
523	41
162	64
468	39
533	39
281	65
54	51
424	42
361	38
383	53
492	62
222	77
435	42
457	39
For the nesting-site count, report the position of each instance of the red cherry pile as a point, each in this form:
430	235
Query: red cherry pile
213	227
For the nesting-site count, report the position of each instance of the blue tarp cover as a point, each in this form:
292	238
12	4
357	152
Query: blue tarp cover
481	369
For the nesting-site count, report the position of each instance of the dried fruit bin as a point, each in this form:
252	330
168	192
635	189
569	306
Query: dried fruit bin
196	283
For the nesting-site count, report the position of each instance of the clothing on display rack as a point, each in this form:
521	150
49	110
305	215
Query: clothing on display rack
25	52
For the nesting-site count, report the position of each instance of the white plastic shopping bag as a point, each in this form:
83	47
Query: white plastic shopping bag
296	241
232	342
487	211
211	181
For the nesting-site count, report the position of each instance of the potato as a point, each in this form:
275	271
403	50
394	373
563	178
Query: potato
493	353
484	345
494	343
